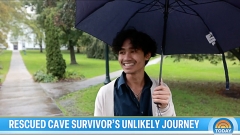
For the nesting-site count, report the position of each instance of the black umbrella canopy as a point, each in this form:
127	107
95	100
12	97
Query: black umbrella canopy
178	26
188	22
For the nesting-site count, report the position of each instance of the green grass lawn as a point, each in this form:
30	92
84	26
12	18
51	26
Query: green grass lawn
193	70
195	88
86	66
5	59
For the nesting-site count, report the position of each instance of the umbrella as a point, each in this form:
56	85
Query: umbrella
178	26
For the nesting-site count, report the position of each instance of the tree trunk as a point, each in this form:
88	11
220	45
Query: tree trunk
235	53
72	53
41	49
78	50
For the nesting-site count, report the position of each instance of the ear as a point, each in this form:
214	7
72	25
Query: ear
147	56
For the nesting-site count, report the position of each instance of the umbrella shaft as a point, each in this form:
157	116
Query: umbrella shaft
164	37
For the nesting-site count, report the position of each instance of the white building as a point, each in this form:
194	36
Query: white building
26	41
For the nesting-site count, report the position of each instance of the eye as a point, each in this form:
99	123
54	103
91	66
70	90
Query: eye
133	50
121	52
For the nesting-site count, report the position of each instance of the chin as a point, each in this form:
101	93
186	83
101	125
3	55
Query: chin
128	72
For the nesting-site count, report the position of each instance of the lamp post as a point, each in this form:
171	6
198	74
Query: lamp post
107	79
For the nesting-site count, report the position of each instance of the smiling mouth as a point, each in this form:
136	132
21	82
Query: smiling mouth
128	64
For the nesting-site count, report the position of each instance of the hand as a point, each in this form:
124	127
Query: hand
161	95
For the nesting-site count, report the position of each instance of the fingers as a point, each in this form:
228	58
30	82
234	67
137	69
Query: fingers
162	88
161	92
161	95
161	101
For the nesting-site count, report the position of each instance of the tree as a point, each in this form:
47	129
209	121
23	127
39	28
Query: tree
65	19
55	63
96	49
36	23
11	16
233	54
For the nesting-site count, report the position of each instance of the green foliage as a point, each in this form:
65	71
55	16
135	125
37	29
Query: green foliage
56	65
12	15
42	76
65	20
212	58
72	75
97	50
5	60
231	55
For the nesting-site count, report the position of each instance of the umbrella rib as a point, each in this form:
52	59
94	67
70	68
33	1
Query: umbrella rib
134	15
149	9
157	2
139	2
183	12
220	51
152	6
195	3
172	7
196	14
181	7
219	1
174	3
93	12
161	5
231	4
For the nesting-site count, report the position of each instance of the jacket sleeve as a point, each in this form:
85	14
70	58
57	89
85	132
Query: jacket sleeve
169	111
98	110
104	100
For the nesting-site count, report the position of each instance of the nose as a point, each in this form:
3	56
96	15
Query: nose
127	56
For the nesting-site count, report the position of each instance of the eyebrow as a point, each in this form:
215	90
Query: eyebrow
122	48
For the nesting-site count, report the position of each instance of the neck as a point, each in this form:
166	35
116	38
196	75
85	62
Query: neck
135	81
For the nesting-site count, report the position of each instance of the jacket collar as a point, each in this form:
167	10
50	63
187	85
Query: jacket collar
122	80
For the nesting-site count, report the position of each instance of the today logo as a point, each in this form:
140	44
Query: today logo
223	126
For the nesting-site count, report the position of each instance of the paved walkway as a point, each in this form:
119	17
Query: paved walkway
21	96
56	90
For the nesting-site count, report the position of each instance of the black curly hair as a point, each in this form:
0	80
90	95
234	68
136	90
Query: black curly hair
138	39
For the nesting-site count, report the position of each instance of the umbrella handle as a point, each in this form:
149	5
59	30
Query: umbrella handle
160	74
159	83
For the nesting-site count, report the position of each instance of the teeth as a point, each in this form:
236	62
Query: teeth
128	64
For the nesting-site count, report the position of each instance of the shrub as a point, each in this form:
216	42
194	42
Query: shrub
56	65
72	75
97	50
42	76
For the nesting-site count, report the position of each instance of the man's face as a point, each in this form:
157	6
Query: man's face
132	60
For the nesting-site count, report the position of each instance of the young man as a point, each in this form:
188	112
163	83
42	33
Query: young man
134	93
